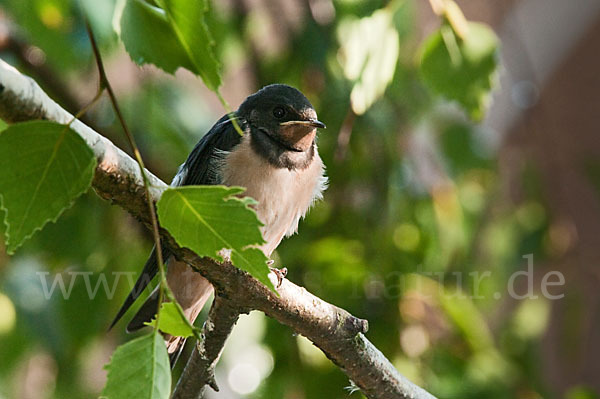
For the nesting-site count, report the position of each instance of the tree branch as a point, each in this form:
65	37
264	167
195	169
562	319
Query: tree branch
117	179
200	368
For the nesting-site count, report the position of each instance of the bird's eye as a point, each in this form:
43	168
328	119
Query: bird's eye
278	112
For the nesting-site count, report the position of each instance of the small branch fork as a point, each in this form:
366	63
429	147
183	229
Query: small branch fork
335	331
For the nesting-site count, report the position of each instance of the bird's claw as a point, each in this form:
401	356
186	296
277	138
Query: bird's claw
280	273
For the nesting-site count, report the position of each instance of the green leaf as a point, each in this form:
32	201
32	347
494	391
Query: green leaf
139	369
170	321
187	21
149	38
208	219
369	49
44	166
461	70
172	36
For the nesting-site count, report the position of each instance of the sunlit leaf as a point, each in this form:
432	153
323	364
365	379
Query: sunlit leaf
187	21
170	36
170	321
149	38
368	54
208	219
461	70
139	369
44	166
100	14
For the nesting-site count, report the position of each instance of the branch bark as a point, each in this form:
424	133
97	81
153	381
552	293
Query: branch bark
200	368
117	179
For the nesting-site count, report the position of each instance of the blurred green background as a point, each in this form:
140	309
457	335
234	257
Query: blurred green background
427	219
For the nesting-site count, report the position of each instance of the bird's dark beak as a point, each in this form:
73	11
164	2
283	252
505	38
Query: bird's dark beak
313	123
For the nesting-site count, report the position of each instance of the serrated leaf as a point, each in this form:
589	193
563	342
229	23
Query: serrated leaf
171	36
44	167
207	219
139	369
187	20
170	321
461	70
369	49
149	38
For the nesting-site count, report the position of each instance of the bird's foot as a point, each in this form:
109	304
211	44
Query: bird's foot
280	273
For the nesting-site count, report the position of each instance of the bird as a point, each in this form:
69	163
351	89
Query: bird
276	160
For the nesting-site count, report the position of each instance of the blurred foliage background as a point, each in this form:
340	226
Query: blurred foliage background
428	214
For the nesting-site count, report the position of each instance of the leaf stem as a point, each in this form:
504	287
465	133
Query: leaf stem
87	106
195	330
230	113
451	12
451	45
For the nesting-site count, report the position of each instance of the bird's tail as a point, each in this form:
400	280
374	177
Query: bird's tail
191	291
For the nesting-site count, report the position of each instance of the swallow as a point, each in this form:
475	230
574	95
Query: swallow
276	160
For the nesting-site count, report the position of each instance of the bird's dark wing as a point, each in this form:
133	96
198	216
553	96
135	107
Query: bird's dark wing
148	273
197	169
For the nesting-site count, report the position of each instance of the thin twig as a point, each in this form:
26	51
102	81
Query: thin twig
86	107
11	41
105	84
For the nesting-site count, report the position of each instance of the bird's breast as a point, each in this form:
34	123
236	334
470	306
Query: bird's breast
283	195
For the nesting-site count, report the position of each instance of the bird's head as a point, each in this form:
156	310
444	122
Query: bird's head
283	125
